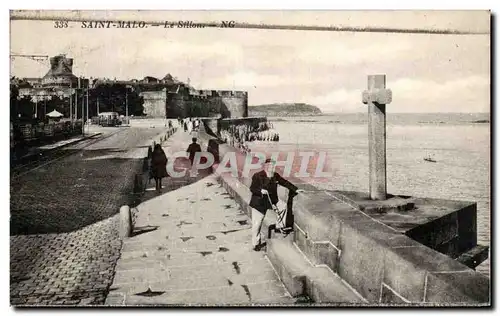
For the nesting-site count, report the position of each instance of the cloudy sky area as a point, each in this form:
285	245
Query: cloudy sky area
427	73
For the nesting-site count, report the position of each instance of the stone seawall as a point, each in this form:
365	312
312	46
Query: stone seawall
377	259
372	254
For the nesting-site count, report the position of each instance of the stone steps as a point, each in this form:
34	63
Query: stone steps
301	278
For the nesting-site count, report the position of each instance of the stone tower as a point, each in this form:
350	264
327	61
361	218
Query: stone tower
60	73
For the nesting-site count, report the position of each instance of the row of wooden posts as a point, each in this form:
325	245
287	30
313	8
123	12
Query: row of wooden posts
126	223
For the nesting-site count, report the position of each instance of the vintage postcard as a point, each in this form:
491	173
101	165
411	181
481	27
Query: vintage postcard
250	158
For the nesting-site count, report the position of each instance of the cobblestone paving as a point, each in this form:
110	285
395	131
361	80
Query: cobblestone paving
64	269
63	218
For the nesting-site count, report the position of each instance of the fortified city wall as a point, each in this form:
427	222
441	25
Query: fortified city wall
200	103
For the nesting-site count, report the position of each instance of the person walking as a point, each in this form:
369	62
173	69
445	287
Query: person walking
264	188
158	165
192	149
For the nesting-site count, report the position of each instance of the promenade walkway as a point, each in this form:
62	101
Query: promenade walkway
192	246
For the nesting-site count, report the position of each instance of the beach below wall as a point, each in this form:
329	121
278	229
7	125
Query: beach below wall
460	146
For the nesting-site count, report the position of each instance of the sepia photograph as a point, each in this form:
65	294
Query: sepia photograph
250	158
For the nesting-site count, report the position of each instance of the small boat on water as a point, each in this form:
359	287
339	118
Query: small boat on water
429	159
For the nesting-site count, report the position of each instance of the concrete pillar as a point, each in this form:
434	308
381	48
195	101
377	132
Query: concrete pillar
125	222
377	96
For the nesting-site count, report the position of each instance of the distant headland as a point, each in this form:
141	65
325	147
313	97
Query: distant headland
286	109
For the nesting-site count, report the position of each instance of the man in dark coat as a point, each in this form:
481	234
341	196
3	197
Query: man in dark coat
264	190
192	149
158	165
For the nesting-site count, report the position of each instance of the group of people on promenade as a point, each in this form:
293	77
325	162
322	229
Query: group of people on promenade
263	188
190	124
159	160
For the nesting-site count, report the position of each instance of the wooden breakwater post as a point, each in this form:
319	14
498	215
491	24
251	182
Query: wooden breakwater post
377	96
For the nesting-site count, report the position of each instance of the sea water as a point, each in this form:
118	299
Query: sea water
460	144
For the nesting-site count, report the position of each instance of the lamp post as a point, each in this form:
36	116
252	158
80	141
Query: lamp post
88	123
83	107
71	102
126	102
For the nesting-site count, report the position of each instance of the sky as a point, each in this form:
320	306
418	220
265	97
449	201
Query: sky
426	72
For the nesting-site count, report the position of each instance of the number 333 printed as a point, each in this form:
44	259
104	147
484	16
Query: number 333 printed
60	24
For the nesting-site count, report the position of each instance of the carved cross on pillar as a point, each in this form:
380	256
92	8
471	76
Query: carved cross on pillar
377	96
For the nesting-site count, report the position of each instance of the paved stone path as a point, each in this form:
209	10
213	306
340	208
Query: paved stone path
193	247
